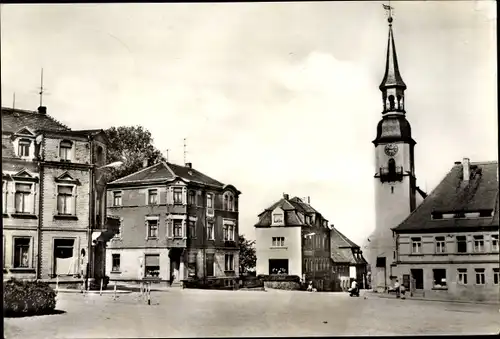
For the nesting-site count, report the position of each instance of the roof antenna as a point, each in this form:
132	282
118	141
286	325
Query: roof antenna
41	88
185	151
167	153
14	101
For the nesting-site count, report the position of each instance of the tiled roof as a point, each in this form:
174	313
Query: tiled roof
13	120
302	206
453	195
193	175
168	171
7	148
341	241
158	171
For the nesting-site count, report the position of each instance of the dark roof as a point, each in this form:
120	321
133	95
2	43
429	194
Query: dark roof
7	148
453	195
393	128
342	249
191	174
392	77
167	171
15	119
158	171
302	206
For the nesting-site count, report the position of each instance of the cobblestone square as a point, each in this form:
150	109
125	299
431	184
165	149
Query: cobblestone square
202	313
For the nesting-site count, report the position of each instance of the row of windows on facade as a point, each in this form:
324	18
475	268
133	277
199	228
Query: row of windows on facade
176	230
316	241
24	201
440	281
24	147
461	244
152	264
64	255
309	219
178	199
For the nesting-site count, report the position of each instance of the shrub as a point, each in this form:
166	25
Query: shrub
27	298
279	277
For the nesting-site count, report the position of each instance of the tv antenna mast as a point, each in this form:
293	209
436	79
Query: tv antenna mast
185	151
41	88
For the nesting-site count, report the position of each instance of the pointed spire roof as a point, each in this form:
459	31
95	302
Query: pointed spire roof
392	77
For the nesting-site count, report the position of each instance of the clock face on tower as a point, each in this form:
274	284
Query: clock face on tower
391	149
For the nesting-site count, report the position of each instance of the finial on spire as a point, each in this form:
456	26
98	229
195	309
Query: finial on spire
389	9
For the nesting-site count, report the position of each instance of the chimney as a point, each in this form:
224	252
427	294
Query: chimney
189	164
42	110
309	200
458	162
145	163
285	196
466	169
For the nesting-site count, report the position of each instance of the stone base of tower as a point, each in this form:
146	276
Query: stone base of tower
380	256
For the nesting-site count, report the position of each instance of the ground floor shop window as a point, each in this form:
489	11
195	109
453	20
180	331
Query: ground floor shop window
418	278
115	266
439	278
21	252
210	265
192	264
462	276
278	266
64	256
229	262
152	265
480	278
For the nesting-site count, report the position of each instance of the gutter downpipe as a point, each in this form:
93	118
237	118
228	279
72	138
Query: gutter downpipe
40	211
91	213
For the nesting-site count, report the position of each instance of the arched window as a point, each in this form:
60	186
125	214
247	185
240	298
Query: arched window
400	102
231	205
65	150
391	166
226	198
391	102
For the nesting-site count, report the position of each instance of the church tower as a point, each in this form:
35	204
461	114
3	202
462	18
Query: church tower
395	171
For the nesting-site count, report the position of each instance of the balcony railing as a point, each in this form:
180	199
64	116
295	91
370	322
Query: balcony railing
391	175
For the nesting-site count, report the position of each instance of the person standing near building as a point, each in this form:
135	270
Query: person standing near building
397	287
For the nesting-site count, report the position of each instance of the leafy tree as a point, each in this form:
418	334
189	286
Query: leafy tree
248	257
132	145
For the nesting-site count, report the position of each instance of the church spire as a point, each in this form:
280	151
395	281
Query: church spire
392	85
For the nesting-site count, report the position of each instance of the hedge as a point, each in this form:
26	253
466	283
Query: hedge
27	298
279	277
282	285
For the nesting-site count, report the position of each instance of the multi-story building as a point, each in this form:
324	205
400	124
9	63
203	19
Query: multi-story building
448	247
293	238
176	224
348	262
51	198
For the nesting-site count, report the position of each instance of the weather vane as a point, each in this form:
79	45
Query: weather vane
389	10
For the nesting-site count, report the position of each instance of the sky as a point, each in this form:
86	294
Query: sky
271	97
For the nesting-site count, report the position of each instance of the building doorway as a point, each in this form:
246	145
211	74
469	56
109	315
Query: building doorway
175	256
417	274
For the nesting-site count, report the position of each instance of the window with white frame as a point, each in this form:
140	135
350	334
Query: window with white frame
495	276
210	230
65	200
440	245
478	243
277	218
210	200
480	277
117	198
225	204
21	252
65	150
115	264
228	230
278	241
192	198
153	196
4	196
229	262
23	197
177	228
178	196
23	148
416	245
462	276
494	242
192	229
152	225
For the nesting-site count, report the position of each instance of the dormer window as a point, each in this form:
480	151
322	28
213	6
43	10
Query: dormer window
65	150
230	206
24	147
